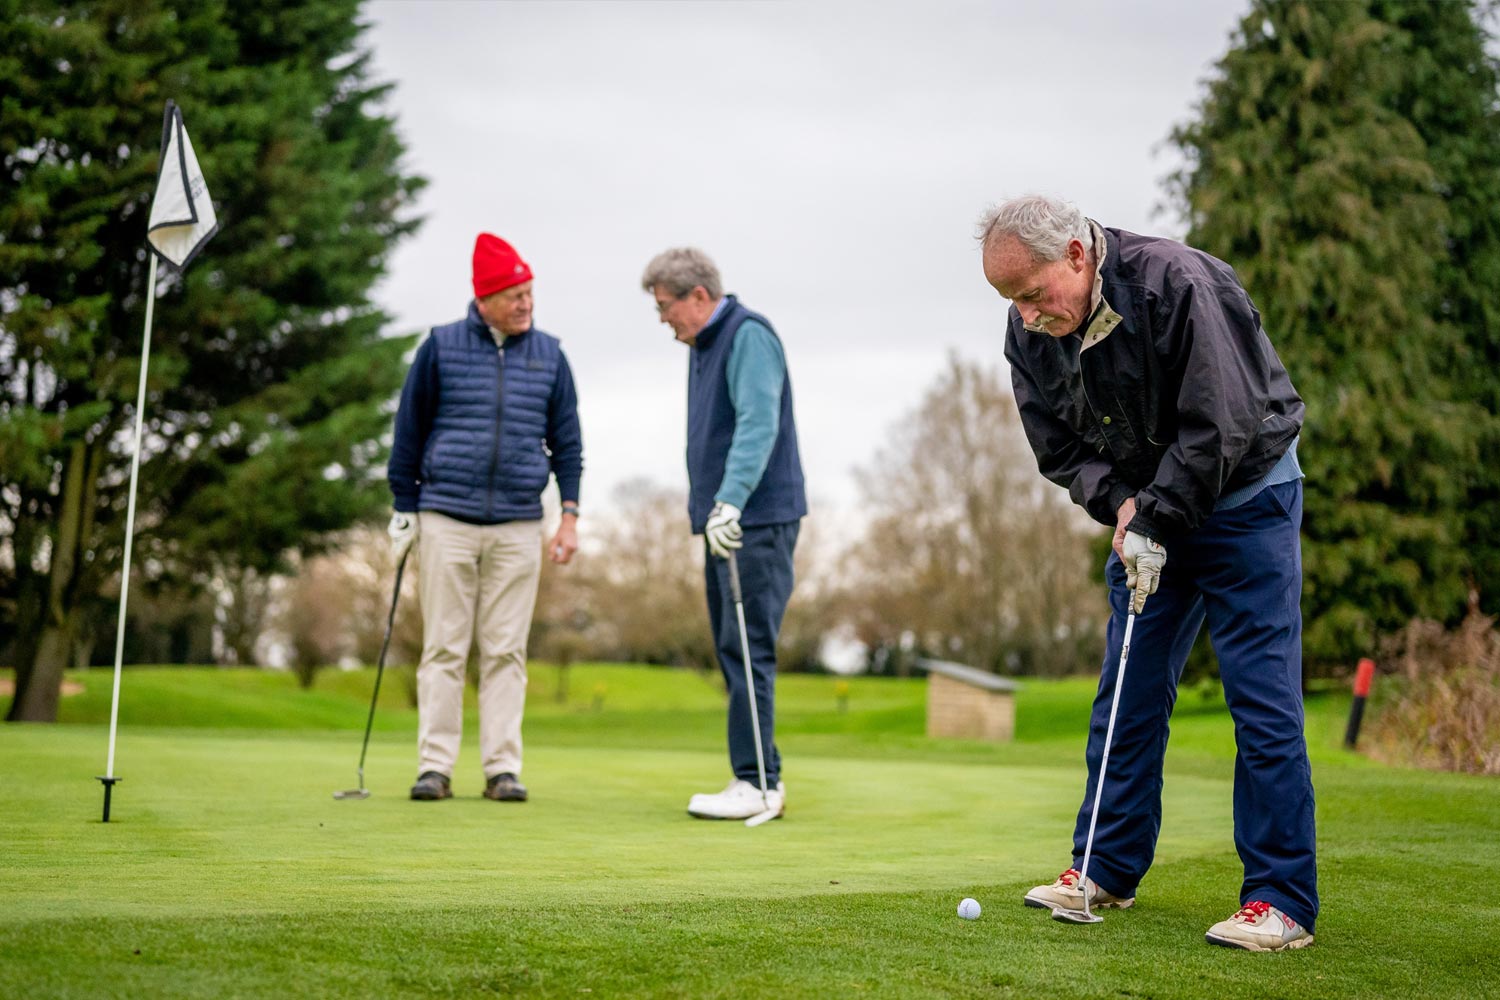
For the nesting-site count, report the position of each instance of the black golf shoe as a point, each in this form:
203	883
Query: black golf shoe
505	788
431	786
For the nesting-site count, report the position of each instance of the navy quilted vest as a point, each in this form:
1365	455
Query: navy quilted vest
484	461
779	498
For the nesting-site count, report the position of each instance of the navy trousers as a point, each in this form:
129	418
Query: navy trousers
765	564
1242	573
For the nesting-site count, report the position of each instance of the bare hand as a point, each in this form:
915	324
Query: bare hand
1122	518
560	550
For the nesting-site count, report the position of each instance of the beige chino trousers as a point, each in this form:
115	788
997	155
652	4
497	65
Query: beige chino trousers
478	581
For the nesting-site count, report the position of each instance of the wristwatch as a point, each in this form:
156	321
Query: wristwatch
570	508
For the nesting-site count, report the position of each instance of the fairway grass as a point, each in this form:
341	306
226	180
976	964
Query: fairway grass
230	871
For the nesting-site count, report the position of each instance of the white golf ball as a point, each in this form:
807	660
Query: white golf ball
969	909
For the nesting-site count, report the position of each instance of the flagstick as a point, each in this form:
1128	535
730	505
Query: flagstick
109	778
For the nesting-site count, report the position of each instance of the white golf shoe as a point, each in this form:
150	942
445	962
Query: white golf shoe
1259	926
738	800
1065	894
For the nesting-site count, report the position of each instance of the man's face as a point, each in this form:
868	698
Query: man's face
508	310
687	314
1052	296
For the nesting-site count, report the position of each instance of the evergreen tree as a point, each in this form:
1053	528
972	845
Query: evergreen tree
268	375
1451	95
1331	163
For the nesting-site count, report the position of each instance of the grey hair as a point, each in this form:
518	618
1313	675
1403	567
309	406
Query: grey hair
682	269
1043	225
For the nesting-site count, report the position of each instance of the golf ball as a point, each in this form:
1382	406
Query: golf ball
969	909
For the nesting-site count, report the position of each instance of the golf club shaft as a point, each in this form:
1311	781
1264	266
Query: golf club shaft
739	613
1109	736
390	623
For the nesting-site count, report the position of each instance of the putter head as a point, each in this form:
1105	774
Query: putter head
352	793
763	817
1075	916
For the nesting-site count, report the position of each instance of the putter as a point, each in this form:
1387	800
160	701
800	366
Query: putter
361	792
767	813
1088	916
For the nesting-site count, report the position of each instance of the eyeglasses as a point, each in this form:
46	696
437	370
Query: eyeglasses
662	307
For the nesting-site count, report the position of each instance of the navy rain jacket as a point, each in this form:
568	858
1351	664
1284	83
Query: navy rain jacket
1171	393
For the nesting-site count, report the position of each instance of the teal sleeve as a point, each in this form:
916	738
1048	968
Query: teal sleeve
757	371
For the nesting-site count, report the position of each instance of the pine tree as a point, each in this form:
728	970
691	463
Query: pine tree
1323	165
268	374
1451	95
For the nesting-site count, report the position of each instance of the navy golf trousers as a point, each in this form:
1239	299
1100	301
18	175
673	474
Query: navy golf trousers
765	564
1242	572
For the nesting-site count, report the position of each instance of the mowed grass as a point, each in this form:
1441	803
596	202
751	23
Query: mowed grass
230	871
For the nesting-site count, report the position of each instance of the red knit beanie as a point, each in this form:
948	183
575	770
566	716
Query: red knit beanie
497	266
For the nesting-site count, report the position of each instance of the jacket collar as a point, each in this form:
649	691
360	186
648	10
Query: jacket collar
479	328
707	335
1103	319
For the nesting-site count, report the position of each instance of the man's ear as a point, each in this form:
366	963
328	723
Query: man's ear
1078	256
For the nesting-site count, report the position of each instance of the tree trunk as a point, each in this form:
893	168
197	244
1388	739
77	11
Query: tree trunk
39	676
37	696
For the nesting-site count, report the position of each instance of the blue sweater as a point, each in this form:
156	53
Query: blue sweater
480	427
757	370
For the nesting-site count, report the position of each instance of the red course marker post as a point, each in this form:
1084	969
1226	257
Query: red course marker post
1362	678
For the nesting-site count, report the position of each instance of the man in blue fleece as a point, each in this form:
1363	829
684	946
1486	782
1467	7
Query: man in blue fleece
745	495
487	416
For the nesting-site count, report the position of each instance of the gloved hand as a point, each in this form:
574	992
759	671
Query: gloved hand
403	532
1143	560
723	530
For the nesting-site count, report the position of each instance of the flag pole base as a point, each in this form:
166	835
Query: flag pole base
109	787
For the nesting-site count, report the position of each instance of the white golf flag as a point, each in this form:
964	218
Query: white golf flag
182	220
182	214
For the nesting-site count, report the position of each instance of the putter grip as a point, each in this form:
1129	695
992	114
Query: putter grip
734	579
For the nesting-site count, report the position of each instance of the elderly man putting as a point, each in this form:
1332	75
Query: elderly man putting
1149	391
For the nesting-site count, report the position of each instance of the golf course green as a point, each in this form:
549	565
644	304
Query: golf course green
229	870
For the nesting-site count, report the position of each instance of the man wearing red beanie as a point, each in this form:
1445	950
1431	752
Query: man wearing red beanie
487	416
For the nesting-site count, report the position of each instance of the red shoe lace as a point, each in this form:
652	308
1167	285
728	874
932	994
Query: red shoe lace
1069	878
1253	909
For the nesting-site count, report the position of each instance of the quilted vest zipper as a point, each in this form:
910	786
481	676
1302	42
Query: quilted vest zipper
489	502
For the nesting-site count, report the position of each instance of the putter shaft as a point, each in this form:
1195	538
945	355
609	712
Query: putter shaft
385	645
1109	737
760	758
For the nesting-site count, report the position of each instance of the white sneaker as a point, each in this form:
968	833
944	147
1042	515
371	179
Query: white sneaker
738	800
1064	894
1259	926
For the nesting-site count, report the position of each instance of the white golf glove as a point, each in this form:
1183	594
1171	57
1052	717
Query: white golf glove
723	530
1143	560
403	532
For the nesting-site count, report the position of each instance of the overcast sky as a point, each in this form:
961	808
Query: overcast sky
832	158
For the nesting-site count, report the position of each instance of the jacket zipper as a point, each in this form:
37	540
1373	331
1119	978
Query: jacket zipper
489	504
